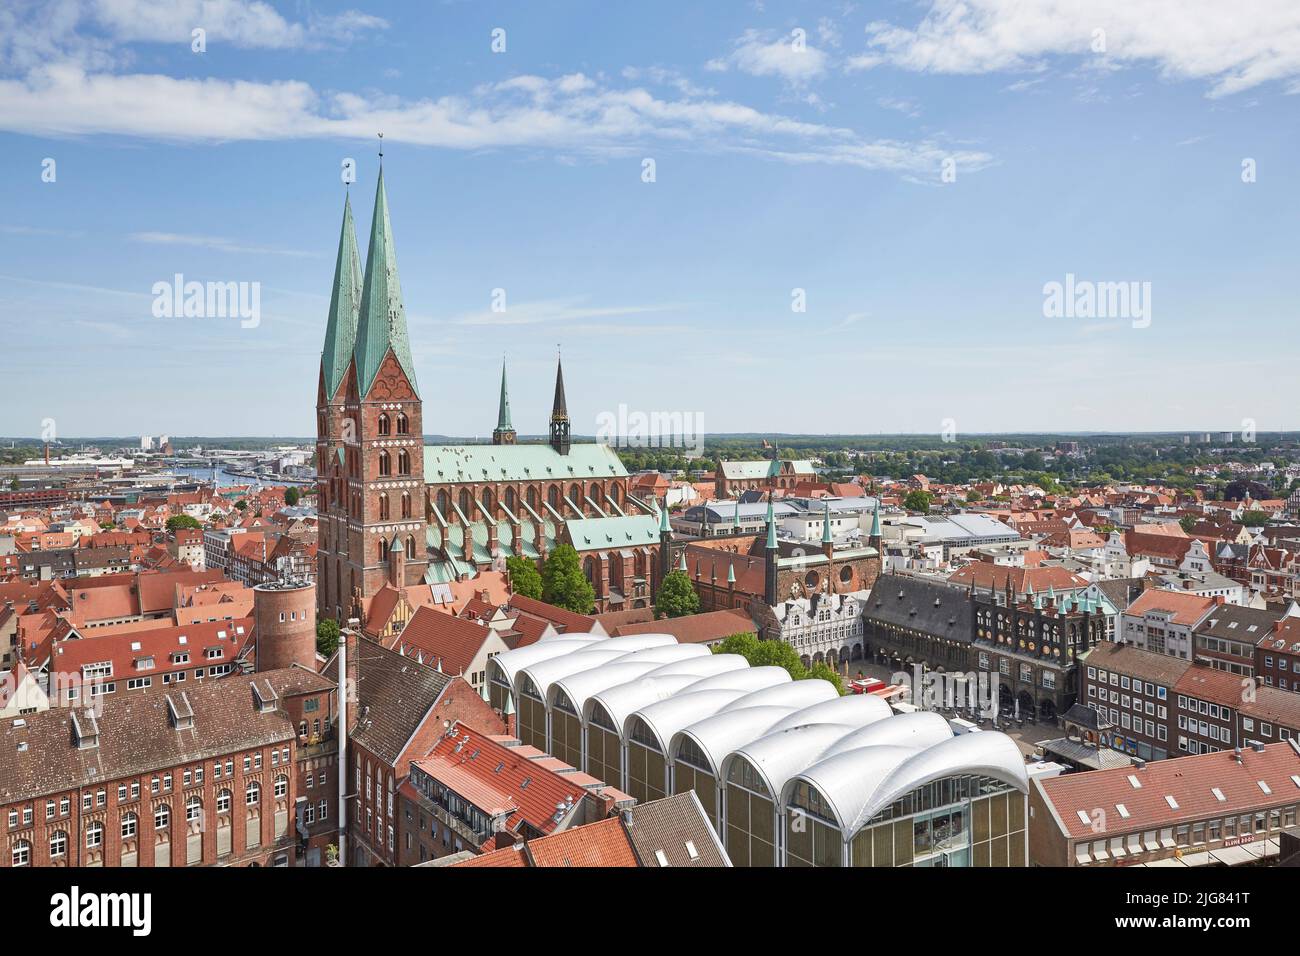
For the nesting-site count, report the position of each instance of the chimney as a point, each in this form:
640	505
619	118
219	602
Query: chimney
348	684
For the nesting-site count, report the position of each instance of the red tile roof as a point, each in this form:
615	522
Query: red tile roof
1190	781
440	639
598	844
492	777
1186	608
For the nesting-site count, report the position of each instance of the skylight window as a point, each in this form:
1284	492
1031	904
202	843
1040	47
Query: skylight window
1218	794
1173	804
1123	810
1134	782
1264	786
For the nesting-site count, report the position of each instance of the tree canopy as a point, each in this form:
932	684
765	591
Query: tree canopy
677	596
525	579
177	522
327	636
564	584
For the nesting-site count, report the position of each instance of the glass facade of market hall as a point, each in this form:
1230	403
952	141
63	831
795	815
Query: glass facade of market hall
690	773
604	748
963	820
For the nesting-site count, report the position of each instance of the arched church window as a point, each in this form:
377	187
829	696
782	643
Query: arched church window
403	424
385	426
385	467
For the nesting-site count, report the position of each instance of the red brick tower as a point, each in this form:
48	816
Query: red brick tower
285	619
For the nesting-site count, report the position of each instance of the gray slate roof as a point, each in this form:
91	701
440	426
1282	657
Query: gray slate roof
932	607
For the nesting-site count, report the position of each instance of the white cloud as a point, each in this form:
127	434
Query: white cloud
1233	48
761	53
554	311
573	113
239	23
214	242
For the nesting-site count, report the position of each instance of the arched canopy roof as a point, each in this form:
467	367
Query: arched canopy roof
747	679
918	730
855	709
846	780
509	663
793	695
717	736
618	702
860	783
705	667
578	687
780	754
665	717
544	673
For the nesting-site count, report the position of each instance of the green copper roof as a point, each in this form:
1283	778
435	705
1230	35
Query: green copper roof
341	329
599	534
681	565
731	573
381	323
446	464
503	409
826	525
663	518
735	521
771	526
875	521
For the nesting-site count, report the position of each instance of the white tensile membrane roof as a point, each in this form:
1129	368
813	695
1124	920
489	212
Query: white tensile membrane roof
750	717
861	781
584	658
686	663
853	750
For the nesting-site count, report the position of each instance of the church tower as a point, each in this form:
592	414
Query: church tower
560	413
331	422
379	467
504	433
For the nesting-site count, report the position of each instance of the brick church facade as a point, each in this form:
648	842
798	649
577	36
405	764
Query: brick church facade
395	512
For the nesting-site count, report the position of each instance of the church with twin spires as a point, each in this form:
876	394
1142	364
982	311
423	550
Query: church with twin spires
395	513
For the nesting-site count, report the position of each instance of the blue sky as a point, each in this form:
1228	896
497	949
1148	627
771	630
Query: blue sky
796	146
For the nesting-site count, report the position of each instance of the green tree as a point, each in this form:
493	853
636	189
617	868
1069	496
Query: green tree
107	525
291	497
327	636
176	522
14	484
824	671
564	584
1187	523
241	504
677	597
525	579
743	644
917	500
778	654
973	495
1254	519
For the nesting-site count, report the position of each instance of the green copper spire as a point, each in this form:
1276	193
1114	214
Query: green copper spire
681	565
341	329
663	520
875	520
771	526
503	409
826	524
381	324
731	573
735	522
